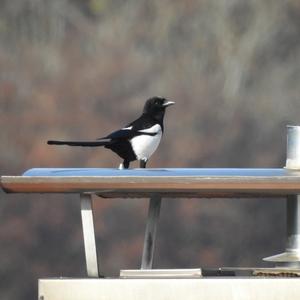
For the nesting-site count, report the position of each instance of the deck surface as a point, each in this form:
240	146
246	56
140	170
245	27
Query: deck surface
146	182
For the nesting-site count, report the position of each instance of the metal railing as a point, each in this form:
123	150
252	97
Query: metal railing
159	183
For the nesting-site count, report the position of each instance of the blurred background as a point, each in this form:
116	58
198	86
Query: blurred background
82	68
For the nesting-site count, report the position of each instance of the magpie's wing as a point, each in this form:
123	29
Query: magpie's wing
144	122
133	129
124	133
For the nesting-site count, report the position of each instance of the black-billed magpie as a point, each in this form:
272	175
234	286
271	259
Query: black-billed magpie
136	141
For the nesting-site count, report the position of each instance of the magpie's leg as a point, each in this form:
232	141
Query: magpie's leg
143	163
124	165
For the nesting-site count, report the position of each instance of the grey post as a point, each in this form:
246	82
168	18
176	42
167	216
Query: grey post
89	235
291	256
150	234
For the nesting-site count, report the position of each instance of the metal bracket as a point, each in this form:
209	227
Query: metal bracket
89	235
291	256
150	234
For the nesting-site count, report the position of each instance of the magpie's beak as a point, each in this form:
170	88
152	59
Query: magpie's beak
168	103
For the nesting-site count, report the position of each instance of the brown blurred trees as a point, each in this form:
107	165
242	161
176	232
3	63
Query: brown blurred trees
79	69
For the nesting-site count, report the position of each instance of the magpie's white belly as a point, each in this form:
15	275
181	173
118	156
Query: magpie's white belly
145	145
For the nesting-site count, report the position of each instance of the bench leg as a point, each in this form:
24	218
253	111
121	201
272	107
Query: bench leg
89	235
150	234
291	256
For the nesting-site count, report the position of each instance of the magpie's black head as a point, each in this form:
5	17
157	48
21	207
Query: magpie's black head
156	107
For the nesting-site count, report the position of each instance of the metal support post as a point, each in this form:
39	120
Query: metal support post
291	256
150	234
89	235
293	223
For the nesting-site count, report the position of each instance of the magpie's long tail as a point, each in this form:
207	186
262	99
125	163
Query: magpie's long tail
95	143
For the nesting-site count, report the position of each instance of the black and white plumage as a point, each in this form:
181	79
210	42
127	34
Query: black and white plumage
136	141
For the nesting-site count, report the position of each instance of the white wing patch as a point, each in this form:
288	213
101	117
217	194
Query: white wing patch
154	129
145	145
127	128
